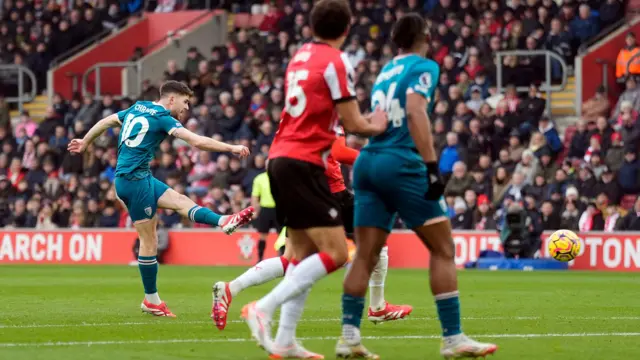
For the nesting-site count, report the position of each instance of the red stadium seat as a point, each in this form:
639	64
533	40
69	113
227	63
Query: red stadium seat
242	21
256	20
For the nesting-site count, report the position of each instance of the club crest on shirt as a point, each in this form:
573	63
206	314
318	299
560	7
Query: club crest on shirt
147	210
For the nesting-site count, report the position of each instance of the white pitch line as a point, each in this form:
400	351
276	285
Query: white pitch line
243	340
316	320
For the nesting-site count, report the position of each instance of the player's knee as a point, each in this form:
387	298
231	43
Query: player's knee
445	249
339	255
148	247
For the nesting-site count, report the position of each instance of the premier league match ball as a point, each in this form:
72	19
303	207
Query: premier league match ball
564	245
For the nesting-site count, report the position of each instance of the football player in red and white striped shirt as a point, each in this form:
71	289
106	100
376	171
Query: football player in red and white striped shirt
319	87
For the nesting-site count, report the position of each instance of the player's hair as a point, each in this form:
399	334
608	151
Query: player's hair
408	31
175	87
330	19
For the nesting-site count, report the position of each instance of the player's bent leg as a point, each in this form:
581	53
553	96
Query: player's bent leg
148	265
258	314
171	199
379	309
436	235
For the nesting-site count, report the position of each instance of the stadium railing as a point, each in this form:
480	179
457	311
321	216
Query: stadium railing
547	86
208	33
7	73
96	68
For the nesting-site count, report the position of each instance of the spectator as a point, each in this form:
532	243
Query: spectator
550	133
462	219
532	107
550	218
628	177
631	222
585	26
450	155
515	147
514	190
596	106
615	154
580	141
173	73
631	94
613	218
483	216
624	56
500	185
591	219
528	167
594	146
459	181
570	217
26	125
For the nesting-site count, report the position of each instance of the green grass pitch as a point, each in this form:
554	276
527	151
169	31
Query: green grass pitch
54	312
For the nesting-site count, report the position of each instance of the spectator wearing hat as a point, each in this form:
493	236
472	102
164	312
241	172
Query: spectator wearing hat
631	222
615	154
483	216
462	218
547	167
609	186
598	105
628	176
475	101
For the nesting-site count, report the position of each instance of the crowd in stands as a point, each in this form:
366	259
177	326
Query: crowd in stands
494	149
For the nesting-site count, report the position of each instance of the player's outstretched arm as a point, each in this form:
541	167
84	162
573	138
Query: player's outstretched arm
209	144
80	145
354	122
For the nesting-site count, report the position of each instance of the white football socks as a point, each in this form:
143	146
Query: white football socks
263	272
376	282
290	314
351	334
153	298
305	274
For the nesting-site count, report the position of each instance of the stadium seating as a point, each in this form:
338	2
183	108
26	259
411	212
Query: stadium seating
239	97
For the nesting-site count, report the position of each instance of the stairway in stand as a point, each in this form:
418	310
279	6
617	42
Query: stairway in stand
37	108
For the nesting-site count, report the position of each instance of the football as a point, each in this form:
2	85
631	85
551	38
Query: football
564	245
